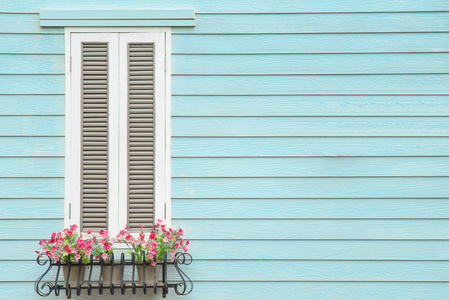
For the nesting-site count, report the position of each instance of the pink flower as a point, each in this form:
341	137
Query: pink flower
107	246
126	227
80	243
173	252
56	257
185	249
152	235
154	263
89	231
129	239
78	256
176	245
165	240
142	226
104	233
105	256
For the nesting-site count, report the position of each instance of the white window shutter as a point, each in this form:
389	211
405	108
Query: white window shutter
94	134
141	134
118	158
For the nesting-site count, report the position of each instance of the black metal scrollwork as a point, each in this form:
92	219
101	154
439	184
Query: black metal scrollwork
44	288
186	286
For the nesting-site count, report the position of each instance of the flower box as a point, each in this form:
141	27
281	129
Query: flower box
74	254
101	284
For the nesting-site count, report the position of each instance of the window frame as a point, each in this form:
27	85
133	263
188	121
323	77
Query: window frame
72	201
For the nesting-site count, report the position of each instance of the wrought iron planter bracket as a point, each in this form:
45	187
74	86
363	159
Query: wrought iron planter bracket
45	288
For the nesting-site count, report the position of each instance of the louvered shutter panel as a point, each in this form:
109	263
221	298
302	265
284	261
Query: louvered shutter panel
141	134
94	186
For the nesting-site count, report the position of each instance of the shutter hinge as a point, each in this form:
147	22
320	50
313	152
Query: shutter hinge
70	211
165	211
165	63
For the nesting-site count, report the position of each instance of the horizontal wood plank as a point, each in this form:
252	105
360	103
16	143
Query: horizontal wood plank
378	187
31	146
205	229
30	229
298	84
309	208
257	43
303	64
330	146
32	104
310	167
231	290
319	250
31	64
31	125
298	271
257	229
32	43
40	208
310	43
319	271
316	290
32	84
295	250
31	167
320	23
24	23
316	105
235	5
309	126
31	187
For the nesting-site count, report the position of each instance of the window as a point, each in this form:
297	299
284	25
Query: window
117	128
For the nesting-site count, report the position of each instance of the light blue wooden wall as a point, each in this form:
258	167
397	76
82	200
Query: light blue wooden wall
310	146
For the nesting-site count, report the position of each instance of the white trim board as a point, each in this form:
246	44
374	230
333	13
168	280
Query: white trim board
102	17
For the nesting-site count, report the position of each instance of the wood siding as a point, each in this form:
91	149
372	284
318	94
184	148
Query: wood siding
310	148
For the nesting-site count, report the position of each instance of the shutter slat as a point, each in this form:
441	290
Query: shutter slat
95	138
141	135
